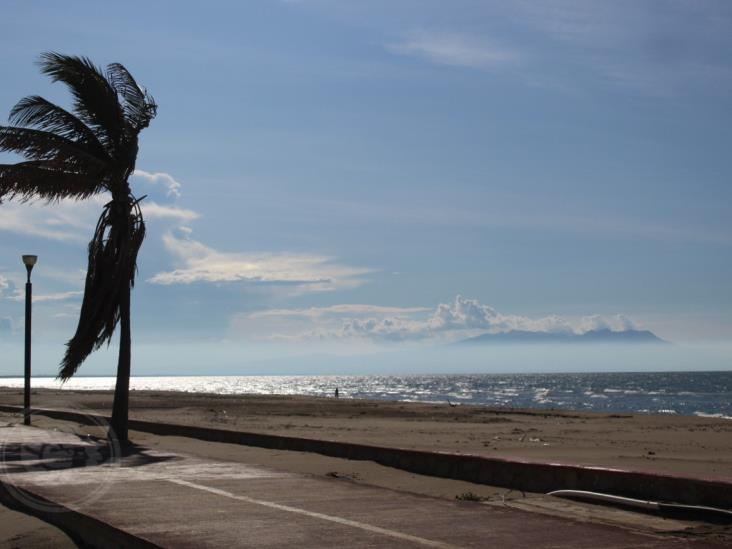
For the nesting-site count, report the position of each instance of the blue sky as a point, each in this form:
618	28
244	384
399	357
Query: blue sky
361	175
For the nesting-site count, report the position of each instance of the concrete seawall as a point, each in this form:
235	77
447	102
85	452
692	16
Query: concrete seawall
517	474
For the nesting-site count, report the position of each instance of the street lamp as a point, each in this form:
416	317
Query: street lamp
29	261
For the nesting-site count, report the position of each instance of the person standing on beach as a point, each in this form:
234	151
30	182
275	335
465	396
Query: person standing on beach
336	392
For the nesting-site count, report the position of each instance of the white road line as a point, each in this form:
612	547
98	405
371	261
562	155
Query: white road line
338	520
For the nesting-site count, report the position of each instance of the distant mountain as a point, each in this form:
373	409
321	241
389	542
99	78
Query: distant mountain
593	336
627	336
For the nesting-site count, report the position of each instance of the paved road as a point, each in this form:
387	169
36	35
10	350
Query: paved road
174	500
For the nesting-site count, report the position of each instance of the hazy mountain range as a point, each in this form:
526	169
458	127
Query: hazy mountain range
593	336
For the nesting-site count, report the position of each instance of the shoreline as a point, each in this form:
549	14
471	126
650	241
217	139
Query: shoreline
697	394
493	409
411	374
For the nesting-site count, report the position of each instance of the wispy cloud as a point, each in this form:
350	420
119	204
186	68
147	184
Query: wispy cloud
153	210
529	214
658	49
12	290
454	49
344	309
306	272
63	221
447	322
56	296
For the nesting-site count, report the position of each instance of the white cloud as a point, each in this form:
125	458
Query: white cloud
64	221
332	322
345	309
161	178
464	313
153	210
14	292
454	49
447	322
56	296
307	272
469	314
73	221
616	323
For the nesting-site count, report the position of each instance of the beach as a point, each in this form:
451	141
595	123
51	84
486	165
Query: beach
651	442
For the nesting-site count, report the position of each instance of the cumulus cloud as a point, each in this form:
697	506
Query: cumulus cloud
163	179
463	313
454	49
470	314
615	323
200	263
448	321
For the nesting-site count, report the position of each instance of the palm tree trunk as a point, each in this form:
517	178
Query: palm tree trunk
122	388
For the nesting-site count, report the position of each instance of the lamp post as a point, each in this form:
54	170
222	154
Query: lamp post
29	261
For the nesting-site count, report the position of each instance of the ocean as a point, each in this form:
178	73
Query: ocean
686	393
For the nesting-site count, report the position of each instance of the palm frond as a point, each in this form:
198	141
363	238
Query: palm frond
139	106
37	112
112	265
95	100
42	145
75	155
29	180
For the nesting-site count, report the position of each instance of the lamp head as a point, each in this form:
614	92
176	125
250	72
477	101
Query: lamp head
29	261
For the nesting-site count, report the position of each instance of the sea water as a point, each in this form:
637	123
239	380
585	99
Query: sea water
687	393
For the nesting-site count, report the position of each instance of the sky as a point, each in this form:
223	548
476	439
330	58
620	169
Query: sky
347	179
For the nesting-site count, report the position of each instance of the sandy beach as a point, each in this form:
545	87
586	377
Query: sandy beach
653	442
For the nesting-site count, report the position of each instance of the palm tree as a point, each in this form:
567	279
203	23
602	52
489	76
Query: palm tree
77	155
